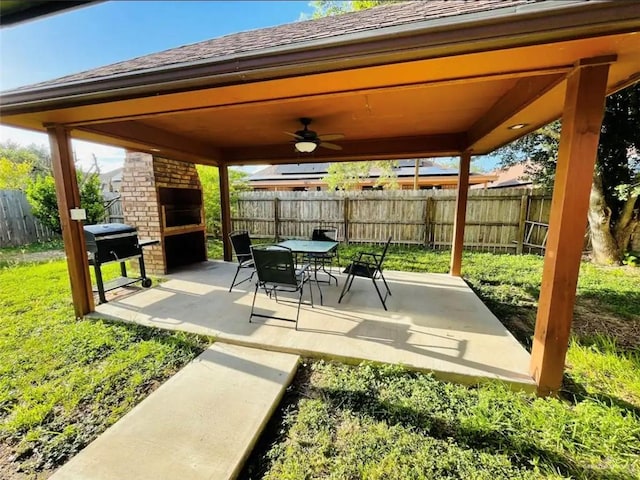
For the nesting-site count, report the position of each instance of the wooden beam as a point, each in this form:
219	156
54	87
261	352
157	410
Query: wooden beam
158	141
524	93
225	211
355	150
318	90
68	196
461	213
581	122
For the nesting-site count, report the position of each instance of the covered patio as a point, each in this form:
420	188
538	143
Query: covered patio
406	80
435	322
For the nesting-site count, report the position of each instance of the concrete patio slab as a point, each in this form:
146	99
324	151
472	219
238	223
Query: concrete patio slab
435	322
201	424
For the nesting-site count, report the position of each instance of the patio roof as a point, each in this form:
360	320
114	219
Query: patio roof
399	81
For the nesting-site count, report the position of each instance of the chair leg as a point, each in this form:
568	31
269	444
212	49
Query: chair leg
379	294
254	300
233	282
344	287
353	277
311	290
299	303
385	283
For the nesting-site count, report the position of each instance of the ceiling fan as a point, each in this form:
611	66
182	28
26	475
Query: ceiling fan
307	140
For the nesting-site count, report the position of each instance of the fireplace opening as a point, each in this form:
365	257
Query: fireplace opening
180	206
184	249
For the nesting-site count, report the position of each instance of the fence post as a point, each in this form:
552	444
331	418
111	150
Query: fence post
346	219
524	203
276	218
428	225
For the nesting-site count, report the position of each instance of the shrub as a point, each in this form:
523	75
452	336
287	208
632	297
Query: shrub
41	194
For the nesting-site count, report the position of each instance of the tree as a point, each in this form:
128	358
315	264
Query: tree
210	180
613	206
348	175
36	156
327	8
41	194
14	176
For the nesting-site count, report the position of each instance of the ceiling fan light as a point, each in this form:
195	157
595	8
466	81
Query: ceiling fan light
305	146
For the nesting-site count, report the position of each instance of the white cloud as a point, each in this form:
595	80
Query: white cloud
109	158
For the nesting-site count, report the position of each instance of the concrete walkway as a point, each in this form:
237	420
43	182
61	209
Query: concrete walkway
201	424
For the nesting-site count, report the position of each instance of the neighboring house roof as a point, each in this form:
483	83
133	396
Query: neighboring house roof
383	16
316	171
512	177
111	176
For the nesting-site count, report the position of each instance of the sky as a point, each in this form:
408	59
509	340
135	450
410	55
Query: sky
109	32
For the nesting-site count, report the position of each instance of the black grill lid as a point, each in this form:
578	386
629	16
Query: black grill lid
103	229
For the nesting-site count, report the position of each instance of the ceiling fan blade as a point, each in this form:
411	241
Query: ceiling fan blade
294	135
331	136
330	146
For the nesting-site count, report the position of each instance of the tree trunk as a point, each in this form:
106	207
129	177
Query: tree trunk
604	246
626	224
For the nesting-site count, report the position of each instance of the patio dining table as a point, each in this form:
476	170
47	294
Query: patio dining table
312	247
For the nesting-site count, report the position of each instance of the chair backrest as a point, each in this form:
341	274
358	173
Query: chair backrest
325	234
241	242
384	252
274	264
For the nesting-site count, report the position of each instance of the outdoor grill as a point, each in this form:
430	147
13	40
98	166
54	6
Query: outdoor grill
115	242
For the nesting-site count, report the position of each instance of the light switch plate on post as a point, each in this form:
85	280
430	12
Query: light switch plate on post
78	214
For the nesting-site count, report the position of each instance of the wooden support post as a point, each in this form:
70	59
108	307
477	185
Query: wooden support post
461	213
68	196
225	211
416	174
524	203
581	122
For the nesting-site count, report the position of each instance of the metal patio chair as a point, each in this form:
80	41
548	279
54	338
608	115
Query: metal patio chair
277	272
241	242
360	267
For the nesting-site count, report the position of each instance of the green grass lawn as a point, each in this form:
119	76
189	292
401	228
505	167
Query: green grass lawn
63	381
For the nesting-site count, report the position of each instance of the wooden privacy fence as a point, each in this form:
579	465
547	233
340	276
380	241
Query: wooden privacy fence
113	208
506	220
18	226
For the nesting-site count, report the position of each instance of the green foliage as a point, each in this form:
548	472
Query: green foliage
37	156
632	259
64	381
349	175
373	422
327	8
41	194
44	205
14	176
210	180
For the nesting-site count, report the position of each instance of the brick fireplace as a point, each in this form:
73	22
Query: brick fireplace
162	198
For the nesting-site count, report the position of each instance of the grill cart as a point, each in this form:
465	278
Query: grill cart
115	242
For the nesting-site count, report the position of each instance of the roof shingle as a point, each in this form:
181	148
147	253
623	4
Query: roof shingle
387	15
